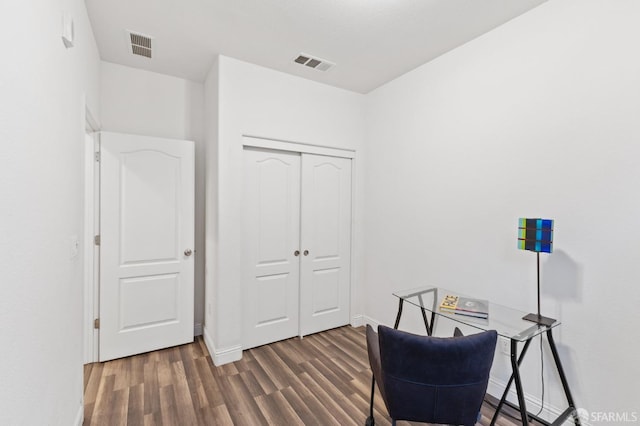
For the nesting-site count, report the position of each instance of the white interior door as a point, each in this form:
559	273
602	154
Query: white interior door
271	238
325	243
147	238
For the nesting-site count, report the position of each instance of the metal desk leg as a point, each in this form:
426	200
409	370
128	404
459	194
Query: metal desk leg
516	375
514	347
570	411
399	313
428	326
565	384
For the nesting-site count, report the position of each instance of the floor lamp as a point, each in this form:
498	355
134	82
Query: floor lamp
536	235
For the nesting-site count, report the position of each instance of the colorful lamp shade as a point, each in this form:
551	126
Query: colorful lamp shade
535	235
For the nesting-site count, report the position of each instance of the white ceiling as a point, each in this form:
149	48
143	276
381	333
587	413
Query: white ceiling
371	41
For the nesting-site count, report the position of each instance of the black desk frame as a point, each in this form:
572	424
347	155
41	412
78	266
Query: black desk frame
516	360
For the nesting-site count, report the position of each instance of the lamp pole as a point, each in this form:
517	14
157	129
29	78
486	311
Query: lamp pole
538	256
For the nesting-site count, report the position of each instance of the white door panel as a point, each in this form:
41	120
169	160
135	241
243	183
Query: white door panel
271	236
326	239
149	202
149	300
146	224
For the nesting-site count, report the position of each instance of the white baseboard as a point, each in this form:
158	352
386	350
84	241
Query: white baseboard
80	416
197	329
357	321
372	322
221	356
208	342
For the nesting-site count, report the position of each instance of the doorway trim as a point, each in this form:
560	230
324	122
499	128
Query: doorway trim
90	251
290	146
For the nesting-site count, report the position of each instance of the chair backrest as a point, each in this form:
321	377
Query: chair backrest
433	379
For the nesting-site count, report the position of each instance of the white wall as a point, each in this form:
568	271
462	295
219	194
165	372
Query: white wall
142	102
261	102
538	118
42	107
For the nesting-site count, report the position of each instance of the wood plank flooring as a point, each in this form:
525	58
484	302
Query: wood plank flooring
323	379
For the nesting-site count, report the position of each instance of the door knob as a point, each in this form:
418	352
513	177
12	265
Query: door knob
187	252
306	252
296	253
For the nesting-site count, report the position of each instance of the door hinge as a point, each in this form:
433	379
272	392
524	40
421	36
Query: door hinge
96	240
97	156
96	323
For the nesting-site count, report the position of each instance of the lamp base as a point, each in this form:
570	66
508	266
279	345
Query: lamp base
539	319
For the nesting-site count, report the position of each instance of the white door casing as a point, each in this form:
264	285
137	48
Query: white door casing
147	226
91	251
271	238
325	243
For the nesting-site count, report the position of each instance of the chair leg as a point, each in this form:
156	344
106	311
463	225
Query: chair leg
370	421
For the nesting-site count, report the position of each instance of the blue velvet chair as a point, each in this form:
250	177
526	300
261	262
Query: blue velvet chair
430	379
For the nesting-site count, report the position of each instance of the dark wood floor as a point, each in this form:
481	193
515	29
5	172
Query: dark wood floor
323	379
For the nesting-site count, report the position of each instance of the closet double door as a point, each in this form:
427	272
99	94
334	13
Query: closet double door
297	244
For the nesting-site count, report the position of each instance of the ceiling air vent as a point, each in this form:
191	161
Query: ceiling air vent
140	44
313	62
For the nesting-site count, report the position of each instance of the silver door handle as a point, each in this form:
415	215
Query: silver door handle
296	253
306	253
187	252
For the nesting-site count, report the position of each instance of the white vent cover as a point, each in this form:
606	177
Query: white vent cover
313	62
139	44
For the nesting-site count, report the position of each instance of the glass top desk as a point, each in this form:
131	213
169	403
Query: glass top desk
509	324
